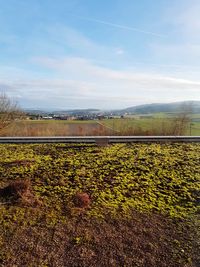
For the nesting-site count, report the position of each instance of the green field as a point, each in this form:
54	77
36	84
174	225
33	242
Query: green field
148	126
195	128
143	211
157	124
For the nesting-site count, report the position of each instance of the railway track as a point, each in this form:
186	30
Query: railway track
99	139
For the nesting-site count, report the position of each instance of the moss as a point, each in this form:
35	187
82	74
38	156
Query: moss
162	178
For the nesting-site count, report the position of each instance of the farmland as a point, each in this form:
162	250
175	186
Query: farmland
158	125
143	208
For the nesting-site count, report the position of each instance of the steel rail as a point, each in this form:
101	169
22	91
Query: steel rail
99	139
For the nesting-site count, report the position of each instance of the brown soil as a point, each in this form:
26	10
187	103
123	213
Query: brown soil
142	241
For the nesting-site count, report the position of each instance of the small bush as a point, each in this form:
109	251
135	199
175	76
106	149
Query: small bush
16	189
20	191
82	200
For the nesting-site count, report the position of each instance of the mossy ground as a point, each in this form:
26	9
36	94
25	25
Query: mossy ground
143	212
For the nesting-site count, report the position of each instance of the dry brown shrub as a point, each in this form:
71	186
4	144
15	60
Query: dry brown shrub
19	191
82	200
16	189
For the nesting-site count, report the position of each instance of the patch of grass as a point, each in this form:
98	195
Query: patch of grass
195	129
157	125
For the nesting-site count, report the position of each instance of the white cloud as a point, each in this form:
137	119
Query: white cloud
74	42
187	17
180	53
81	80
119	51
183	45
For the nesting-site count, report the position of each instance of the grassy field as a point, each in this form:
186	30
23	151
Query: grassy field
140	205
195	128
160	124
54	128
148	126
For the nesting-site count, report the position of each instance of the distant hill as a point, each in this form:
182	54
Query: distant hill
193	106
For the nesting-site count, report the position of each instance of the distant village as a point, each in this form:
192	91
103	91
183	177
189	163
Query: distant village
83	116
63	117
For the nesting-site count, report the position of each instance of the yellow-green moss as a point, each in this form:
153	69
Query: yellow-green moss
161	178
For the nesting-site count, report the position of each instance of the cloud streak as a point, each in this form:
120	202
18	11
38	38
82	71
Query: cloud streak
119	26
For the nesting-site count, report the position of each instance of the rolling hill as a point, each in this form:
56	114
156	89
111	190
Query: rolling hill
189	106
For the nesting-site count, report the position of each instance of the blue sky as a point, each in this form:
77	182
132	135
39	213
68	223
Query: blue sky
99	54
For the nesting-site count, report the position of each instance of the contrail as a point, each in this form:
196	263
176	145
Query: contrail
121	26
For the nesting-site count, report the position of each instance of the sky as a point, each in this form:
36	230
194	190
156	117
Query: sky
106	54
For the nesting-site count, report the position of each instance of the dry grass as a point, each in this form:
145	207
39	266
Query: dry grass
170	126
19	191
54	128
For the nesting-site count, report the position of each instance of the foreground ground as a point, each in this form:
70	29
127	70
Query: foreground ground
143	208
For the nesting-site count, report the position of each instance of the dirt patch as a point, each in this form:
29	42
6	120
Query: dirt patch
19	192
143	241
82	200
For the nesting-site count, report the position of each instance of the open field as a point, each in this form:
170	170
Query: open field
148	126
142	210
151	126
195	128
158	124
54	128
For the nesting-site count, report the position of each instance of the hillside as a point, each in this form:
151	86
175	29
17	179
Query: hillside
191	106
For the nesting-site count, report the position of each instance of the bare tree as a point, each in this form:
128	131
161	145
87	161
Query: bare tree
9	111
182	120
